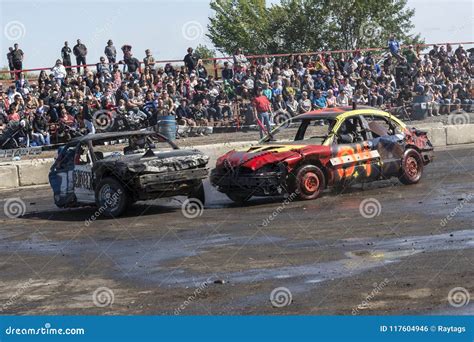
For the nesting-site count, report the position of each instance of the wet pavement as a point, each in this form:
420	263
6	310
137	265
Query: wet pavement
379	248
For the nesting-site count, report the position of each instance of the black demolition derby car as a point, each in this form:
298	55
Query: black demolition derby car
90	170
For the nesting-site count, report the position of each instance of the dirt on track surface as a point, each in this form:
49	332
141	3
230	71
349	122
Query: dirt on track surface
381	248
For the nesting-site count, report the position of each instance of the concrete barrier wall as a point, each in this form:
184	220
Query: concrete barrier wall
35	172
460	134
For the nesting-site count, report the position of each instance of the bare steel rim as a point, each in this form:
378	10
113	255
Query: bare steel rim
310	182
412	167
109	197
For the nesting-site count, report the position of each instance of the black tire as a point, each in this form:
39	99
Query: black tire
198	193
412	167
307	181
239	198
111	197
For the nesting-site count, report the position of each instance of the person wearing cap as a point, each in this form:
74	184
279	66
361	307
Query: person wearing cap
262	111
394	48
111	53
410	55
149	60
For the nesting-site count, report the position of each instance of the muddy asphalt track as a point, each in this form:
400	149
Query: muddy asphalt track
329	254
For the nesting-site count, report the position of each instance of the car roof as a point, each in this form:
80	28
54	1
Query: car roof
329	113
108	135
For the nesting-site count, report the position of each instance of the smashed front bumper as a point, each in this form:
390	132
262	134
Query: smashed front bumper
153	185
257	183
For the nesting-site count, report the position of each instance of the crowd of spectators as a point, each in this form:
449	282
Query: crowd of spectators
64	100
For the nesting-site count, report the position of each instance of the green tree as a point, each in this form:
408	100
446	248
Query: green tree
204	52
308	25
240	23
368	23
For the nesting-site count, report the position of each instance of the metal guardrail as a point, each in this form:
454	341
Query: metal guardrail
215	60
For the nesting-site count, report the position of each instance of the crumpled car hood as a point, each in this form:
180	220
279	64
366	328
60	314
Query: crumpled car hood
167	161
258	156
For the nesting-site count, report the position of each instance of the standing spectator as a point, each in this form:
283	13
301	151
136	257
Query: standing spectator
80	51
262	110
149	60
111	53
66	55
190	60
240	59
411	55
133	66
394	47
10	63
17	58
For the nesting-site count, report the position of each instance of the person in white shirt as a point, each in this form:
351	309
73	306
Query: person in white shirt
342	99
59	71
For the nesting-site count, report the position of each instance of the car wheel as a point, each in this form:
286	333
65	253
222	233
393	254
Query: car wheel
307	182
412	167
112	198
198	193
239	198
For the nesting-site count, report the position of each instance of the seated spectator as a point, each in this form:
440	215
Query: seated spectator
304	104
331	99
40	129
342	99
319	101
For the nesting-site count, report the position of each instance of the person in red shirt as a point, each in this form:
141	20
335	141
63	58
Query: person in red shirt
262	110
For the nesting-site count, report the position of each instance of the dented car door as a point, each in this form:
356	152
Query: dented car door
83	176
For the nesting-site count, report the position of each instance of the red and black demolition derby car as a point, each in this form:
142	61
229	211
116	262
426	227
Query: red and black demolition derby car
328	147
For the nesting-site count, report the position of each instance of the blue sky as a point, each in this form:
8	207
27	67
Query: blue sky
166	27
